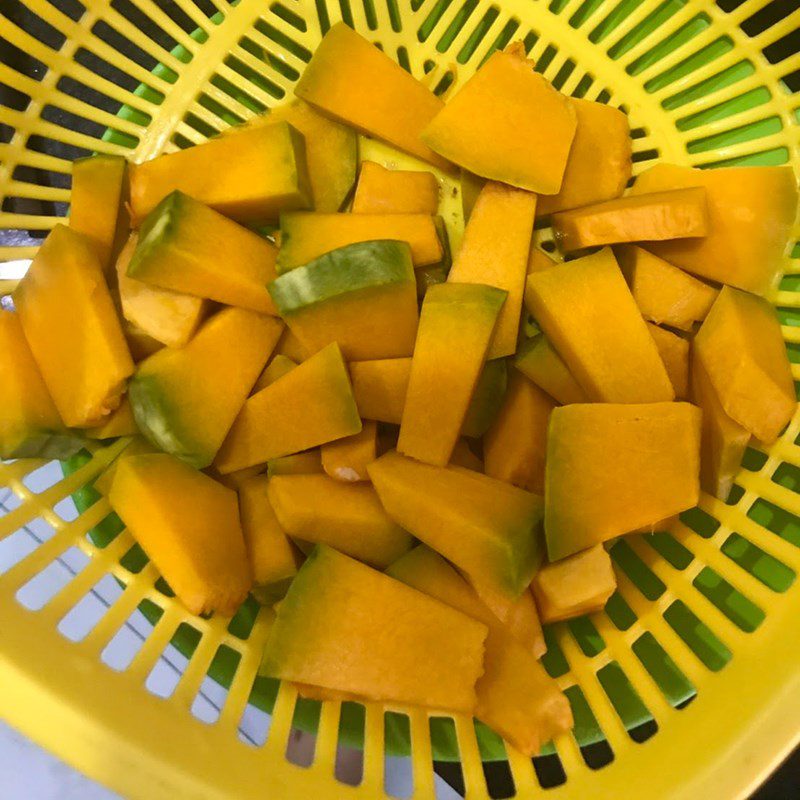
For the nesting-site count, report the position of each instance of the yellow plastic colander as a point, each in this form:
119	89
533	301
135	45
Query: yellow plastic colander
687	686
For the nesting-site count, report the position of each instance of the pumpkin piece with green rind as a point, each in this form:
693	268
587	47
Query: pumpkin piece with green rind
751	213
489	529
538	361
587	312
362	296
188	524
485	258
577	585
347	516
97	204
614	467
347	627
169	317
347	459
487	399
306	235
514	447
265	174
676	214
185	400
65	283
665	294
443	377
30	426
742	350
354	82
516	697
386	191
309	406
527	145
188	247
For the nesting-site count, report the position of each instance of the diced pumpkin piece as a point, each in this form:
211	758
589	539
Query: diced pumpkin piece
273	558
471	186
140	344
308	462
516	697
346	459
170	318
674	352
354	82
185	400
612	468
331	153
443	377
347	627
306	236
85	367
589	315
190	248
723	440
97	204
487	399
519	617
387	191
278	366
540	363
30	426
380	387
137	446
118	423
538	259
500	261
577	585
599	164
676	214
363	296
665	294
265	174
464	457
311	405
742	350
751	213
291	347
514	447
526	145
188	524
349	517
488	529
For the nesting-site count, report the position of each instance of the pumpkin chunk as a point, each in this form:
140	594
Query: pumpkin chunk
674	351
539	362
347	459
388	191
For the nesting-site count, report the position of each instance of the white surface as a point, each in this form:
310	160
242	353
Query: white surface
29	773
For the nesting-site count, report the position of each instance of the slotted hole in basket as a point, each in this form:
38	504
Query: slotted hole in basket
595	750
737	105
72	8
403	59
772	573
27	20
648	583
700	639
503	38
587	636
283	40
41	177
349	766
145	24
584	12
707	54
610	22
16	547
22	62
43	477
398	774
103	31
213	692
6	133
127	641
619	612
174	11
700	522
302	743
219	110
753	460
543	62
478	35
716	83
429	23
254	724
66	509
788	476
201	126
82	618
739	610
444	740
743	133
684	34
674	685
241	625
499	780
166	673
669	548
278	64
553	660
456	25
563	74
109	72
395	20
549	771
444	83
54	147
776	51
583	86
237	94
256	78
44	586
13	98
627	703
